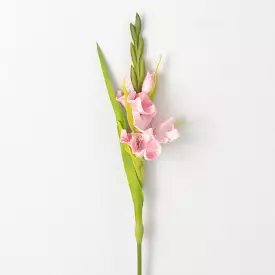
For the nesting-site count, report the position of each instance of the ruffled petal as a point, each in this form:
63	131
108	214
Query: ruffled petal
164	131
153	150
142	122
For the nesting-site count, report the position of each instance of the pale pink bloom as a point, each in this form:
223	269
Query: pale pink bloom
153	131
148	83
164	131
142	144
143	110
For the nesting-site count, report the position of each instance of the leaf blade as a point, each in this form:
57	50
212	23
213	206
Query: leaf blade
134	181
111	91
152	94
138	24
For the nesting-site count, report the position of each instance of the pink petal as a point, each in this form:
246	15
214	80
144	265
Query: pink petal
153	150
140	102
120	98
142	122
131	96
148	82
138	145
142	144
164	131
172	135
148	106
125	137
143	110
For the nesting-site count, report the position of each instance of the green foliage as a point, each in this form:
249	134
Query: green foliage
140	47
116	105
134	167
134	78
138	24
134	33
133	53
141	72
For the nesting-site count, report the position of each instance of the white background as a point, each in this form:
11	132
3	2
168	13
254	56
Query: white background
65	207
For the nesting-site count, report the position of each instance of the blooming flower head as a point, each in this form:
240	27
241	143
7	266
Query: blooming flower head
151	130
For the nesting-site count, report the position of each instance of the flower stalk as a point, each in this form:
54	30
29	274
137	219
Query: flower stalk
136	112
139	259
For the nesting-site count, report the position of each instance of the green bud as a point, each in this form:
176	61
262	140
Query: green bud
133	54
133	33
141	72
138	24
134	79
140	47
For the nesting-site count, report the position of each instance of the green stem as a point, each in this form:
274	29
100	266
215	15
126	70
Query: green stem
139	259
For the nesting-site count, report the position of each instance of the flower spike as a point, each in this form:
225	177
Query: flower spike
141	131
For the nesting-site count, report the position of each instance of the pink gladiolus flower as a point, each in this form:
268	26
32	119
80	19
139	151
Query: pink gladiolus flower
143	108
142	144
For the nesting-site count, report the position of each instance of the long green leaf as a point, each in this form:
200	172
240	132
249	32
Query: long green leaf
135	184
133	176
111	91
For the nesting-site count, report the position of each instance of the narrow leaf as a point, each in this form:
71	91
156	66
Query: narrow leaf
134	33
112	95
133	53
135	185
138	164
138	24
141	72
136	190
134	180
140	47
152	94
134	79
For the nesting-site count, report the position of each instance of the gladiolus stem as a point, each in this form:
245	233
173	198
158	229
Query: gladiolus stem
139	259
